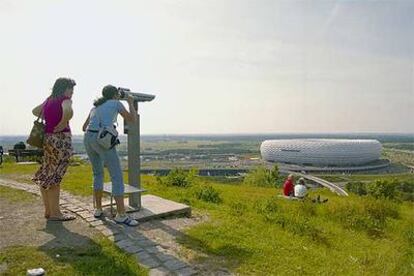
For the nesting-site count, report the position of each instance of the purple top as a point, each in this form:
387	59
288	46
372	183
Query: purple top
52	112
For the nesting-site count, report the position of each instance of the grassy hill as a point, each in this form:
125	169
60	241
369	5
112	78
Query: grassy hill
253	231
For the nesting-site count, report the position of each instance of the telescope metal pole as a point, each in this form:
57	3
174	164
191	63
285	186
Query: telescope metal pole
134	162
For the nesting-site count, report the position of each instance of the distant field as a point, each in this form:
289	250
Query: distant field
399	156
399	146
366	177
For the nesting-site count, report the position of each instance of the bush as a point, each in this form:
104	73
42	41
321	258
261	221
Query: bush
267	208
307	208
358	188
381	209
185	201
294	220
406	190
409	235
370	216
262	177
179	178
238	208
383	189
208	194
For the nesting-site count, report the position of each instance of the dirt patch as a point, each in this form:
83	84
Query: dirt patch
22	223
19	177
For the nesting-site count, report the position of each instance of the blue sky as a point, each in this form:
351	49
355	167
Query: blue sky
216	66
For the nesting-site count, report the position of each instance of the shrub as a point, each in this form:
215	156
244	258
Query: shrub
353	217
185	201
267	208
238	208
370	216
294	220
208	194
358	188
409	235
307	208
381	209
383	189
406	190
262	177
179	178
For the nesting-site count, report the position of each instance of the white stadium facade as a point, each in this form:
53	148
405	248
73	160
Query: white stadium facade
321	152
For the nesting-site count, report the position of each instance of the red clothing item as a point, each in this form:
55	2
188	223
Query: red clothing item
288	187
52	112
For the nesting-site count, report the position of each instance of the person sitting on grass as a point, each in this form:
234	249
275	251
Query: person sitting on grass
288	186
300	188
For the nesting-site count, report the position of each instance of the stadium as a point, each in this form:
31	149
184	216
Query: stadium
324	153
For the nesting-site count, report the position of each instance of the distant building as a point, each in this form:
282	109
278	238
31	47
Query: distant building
321	152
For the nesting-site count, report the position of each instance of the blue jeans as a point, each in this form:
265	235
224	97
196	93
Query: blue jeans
98	156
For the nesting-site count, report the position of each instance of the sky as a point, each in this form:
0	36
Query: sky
216	66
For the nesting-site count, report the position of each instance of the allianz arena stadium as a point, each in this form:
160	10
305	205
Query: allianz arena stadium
321	152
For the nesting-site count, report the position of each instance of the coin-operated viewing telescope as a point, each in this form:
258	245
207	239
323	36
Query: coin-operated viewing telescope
134	162
139	97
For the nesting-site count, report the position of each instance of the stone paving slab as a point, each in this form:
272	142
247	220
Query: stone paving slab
186	271
141	255
154	207
174	264
149	262
133	249
159	271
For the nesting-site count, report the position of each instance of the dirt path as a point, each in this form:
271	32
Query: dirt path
22	223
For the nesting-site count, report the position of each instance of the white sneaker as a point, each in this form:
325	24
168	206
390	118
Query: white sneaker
126	220
98	213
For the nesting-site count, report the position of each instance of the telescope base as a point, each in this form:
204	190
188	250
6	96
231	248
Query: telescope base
128	191
153	207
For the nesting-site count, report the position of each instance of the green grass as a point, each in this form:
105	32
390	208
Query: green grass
99	257
77	180
258	233
252	231
13	195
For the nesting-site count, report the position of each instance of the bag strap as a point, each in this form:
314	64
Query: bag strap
99	117
40	117
100	120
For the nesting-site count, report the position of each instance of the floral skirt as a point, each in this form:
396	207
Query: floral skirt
57	150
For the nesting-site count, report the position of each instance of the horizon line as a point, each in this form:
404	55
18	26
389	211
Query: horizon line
248	133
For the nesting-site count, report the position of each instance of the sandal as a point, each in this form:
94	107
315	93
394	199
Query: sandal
64	217
127	221
48	216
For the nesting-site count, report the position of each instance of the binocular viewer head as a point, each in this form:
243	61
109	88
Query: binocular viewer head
139	97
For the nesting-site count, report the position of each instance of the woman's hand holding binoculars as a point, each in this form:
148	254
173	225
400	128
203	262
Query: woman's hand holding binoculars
130	99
